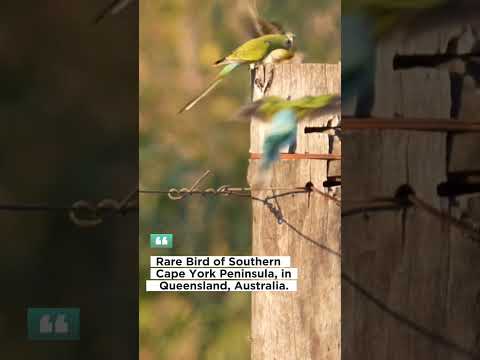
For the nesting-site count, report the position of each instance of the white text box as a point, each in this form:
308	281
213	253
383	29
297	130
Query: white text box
223	273
221	285
220	261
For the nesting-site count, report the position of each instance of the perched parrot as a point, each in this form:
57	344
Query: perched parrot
285	115
112	9
366	22
257	26
253	51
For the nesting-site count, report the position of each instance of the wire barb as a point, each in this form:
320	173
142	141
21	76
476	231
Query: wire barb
87	214
405	197
444	217
443	125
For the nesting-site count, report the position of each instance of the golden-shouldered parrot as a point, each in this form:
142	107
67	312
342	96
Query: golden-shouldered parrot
253	51
284	116
266	107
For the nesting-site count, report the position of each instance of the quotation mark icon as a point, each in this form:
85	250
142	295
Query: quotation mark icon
162	241
53	323
48	326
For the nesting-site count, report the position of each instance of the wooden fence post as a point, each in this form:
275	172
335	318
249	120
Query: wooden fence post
413	291
303	324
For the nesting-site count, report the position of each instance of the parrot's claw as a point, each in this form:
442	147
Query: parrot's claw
267	83
259	83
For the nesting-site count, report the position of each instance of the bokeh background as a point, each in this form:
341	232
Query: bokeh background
68	132
179	40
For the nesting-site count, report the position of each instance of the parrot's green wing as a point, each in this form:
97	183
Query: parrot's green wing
263	108
316	105
325	105
255	49
257	26
313	102
268	106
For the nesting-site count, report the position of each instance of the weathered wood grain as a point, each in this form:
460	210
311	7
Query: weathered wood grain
415	265
465	151
304	324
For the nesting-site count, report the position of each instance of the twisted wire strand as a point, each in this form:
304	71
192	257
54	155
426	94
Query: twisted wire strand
88	214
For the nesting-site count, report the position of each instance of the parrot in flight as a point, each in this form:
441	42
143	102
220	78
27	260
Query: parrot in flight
252	52
112	9
366	22
268	106
284	115
282	132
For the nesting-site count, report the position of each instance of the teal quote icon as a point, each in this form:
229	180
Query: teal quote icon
53	324
161	241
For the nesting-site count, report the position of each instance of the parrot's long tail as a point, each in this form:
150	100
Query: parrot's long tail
225	71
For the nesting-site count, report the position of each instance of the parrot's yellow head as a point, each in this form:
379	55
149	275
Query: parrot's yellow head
290	38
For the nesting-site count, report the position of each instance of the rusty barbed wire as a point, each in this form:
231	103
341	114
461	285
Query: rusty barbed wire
382	305
460	225
85	213
228	190
82	213
435	125
326	195
371	205
432	125
407	198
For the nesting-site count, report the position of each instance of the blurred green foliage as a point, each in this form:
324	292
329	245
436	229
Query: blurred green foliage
179	40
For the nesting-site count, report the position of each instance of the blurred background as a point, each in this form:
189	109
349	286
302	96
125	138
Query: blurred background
179	40
68	131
